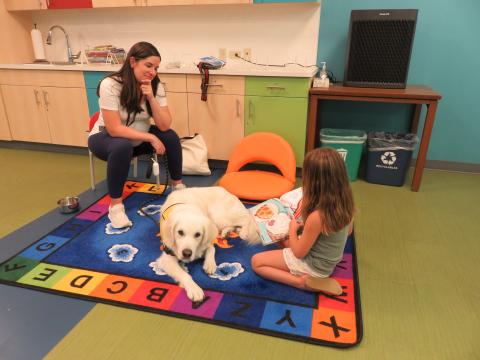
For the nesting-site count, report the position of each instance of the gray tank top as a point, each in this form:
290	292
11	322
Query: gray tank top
327	251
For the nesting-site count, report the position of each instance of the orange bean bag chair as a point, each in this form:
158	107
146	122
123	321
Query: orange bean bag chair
259	185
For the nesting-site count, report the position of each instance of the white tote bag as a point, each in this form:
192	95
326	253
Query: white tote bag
195	155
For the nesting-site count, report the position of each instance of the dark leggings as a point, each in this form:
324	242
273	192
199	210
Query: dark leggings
118	153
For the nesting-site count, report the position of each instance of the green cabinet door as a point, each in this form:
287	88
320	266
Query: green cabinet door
286	117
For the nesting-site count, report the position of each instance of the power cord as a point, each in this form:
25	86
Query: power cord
332	78
274	65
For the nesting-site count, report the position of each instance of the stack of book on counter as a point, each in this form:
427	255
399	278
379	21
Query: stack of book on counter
107	54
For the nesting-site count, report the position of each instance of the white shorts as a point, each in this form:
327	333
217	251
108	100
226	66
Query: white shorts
297	266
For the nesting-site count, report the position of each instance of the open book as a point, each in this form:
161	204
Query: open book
272	218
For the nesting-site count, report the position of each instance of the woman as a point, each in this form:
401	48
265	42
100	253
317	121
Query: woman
128	99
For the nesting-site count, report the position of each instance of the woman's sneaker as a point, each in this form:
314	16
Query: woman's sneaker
117	216
178	186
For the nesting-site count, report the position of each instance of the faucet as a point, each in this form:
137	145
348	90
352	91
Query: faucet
71	57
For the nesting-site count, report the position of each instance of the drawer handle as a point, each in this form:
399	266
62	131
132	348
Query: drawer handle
37	100
275	87
250	112
45	99
238	107
214	84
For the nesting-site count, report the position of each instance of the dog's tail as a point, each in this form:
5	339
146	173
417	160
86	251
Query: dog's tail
249	231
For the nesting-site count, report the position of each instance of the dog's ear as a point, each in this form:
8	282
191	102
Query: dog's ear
167	231
210	233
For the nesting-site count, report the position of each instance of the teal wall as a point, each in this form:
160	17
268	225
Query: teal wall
445	56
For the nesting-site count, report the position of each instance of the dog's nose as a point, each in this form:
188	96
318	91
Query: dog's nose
187	253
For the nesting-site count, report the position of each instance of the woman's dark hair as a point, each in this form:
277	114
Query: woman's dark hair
130	94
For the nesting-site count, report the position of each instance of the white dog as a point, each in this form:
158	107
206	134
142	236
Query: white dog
189	223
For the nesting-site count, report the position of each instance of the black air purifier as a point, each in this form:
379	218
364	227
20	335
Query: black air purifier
379	48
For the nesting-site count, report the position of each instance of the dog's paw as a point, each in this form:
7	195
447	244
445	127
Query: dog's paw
209	267
194	292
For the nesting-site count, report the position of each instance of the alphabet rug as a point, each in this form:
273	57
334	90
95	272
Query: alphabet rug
87	258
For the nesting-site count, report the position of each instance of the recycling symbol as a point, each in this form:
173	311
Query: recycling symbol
388	158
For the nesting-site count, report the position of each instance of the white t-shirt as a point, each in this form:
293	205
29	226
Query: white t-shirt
110	100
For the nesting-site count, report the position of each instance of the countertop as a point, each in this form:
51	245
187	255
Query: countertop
234	68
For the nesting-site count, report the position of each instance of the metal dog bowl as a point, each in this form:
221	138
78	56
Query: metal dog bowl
68	204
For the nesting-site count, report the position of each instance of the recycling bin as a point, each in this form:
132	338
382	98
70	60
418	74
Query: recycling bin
348	143
388	157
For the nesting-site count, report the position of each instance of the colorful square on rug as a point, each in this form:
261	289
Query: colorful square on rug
86	258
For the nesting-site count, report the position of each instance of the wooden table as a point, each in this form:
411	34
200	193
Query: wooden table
417	95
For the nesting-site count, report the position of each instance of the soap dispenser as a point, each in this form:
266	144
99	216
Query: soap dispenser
323	80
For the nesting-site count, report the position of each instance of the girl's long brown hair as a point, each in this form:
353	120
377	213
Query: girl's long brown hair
130	94
326	188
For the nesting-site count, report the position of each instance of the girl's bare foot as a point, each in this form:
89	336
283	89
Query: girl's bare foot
326	285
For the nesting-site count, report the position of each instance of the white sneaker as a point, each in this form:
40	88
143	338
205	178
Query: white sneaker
179	186
117	216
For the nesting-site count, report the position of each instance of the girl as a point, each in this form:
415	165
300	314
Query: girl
128	99
308	260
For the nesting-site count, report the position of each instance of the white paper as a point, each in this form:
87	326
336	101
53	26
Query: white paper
37	42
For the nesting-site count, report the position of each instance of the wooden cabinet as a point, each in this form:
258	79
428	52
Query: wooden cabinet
176	89
114	3
278	105
54	107
126	3
41	106
4	126
18	5
220	118
13	5
166	2
66	110
26	113
211	2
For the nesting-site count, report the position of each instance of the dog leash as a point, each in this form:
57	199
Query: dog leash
203	67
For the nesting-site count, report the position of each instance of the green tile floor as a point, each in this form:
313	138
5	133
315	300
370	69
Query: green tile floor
418	258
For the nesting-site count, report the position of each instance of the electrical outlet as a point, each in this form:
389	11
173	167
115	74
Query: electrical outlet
234	54
222	54
247	54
